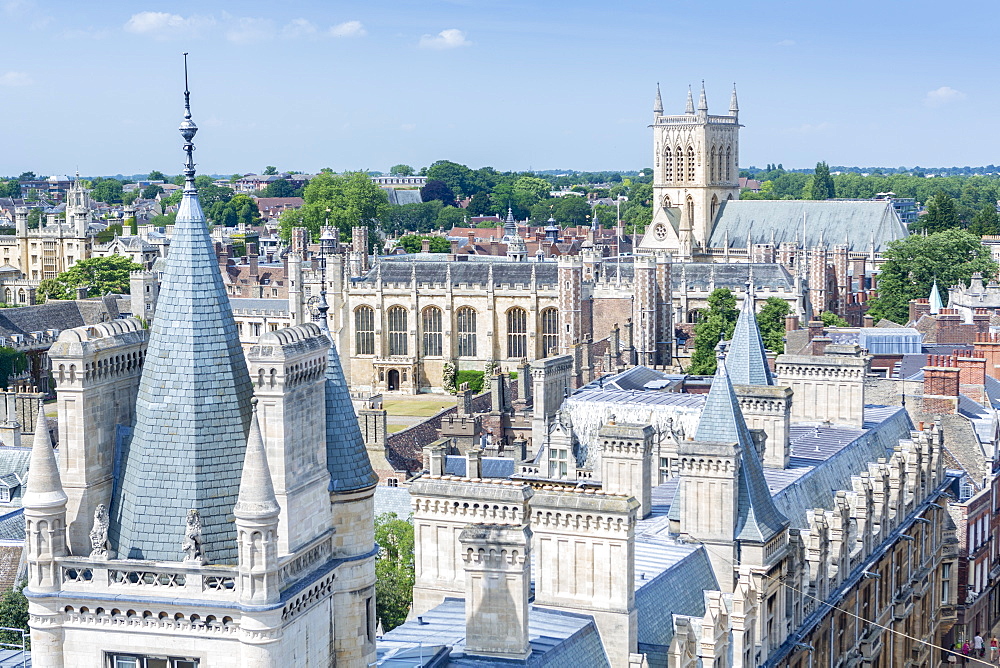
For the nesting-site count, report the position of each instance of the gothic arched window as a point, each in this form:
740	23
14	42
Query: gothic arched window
431	326
364	330
550	330
711	165
466	317
690	211
690	163
668	165
679	155
517	333
715	209
397	331
729	163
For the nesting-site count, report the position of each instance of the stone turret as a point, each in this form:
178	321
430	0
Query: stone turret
44	511
44	505
256	513
626	460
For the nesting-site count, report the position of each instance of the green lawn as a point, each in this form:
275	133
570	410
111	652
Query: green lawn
393	428
417	407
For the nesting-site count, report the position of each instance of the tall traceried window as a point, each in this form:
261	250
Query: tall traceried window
690	162
431	327
729	163
466	317
668	165
397	331
517	333
679	159
550	330
711	165
364	330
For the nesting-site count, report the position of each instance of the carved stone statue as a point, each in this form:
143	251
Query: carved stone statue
99	533
192	539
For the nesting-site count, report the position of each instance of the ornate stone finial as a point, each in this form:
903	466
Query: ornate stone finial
192	539
99	534
658	105
188	130
689	108
702	99
734	107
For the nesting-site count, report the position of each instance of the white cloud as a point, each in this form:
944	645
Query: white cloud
349	29
942	96
163	25
15	79
298	29
249	31
446	39
786	42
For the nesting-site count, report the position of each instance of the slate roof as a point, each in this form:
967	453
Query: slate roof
346	456
493	467
54	314
192	410
832	222
557	638
392	500
671	578
722	422
12	526
745	356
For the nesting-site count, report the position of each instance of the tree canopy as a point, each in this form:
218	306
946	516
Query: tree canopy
394	570
435	189
345	200
715	324
401	170
156	175
985	221
941	215
914	263
822	186
10	188
150	192
100	275
413	243
108	191
771	321
279	188
270	170
14	613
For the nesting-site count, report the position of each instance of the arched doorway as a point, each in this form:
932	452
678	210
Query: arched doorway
392	380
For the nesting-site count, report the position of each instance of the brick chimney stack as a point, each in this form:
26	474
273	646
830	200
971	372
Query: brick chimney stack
987	346
919	307
972	377
941	384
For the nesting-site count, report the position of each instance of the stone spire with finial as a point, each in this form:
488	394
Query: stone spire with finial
702	99
689	107
44	488
658	104
256	500
734	107
192	412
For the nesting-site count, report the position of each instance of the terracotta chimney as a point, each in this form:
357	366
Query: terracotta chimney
941	385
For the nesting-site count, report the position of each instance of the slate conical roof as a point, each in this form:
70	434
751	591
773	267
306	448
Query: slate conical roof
256	500
746	360
346	455
193	407
722	421
44	488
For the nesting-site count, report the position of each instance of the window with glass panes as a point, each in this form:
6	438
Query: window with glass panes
431	327
397	331
550	331
364	330
466	318
517	333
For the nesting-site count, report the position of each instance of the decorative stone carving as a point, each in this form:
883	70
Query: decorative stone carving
192	539
99	534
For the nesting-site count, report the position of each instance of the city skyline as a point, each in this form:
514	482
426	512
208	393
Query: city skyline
367	85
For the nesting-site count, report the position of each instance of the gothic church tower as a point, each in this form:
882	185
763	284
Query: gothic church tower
695	158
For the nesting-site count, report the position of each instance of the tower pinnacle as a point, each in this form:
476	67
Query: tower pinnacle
734	107
689	108
702	100
658	105
188	130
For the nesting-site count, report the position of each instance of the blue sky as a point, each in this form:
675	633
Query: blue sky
517	85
